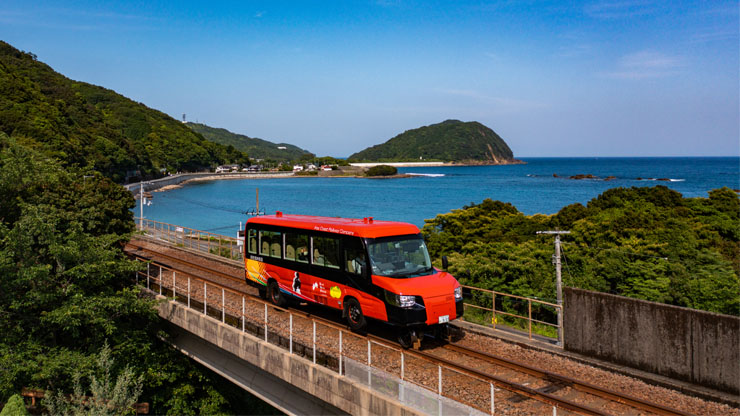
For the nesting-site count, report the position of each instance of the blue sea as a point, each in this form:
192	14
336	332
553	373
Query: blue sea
220	205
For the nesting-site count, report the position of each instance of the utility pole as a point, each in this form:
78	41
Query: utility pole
558	280
141	206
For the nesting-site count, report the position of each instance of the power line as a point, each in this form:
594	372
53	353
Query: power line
203	204
222	228
622	251
567	268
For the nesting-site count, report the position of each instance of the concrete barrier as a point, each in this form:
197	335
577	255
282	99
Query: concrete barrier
319	382
155	184
685	344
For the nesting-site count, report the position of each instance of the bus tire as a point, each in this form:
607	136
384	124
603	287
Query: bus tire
273	291
355	317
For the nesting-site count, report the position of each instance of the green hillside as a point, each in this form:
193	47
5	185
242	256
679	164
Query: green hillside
256	148
86	125
449	141
646	243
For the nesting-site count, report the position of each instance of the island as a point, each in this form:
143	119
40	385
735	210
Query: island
450	142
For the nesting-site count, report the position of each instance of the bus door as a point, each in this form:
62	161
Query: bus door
297	269
358	277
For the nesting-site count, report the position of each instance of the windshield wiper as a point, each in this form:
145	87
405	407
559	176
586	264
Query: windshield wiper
416	272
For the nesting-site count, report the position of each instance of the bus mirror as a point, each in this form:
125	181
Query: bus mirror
445	263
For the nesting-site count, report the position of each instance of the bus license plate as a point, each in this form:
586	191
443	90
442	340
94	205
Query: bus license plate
444	319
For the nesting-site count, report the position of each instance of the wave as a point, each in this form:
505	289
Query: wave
429	175
662	179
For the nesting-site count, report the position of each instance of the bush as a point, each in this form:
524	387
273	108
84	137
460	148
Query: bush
381	170
15	407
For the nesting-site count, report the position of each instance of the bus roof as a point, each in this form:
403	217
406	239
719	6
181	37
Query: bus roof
359	227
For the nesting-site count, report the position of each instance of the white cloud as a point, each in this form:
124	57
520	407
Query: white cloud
646	64
714	36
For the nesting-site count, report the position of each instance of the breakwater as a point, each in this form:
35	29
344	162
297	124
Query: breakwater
181	178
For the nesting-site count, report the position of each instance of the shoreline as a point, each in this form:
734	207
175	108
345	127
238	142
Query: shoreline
439	164
179	180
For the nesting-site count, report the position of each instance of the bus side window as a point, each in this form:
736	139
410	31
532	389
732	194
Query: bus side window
271	243
252	241
265	243
354	256
296	247
326	252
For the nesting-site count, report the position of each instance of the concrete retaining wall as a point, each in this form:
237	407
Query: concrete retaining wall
316	380
689	345
155	184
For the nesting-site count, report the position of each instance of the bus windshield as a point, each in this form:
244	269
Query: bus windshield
403	256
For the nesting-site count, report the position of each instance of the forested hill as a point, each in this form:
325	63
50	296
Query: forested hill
256	148
87	125
449	141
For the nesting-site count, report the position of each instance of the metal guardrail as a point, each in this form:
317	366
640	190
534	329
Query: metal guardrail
230	247
529	320
191	238
378	363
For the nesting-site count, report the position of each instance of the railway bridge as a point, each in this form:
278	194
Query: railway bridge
302	363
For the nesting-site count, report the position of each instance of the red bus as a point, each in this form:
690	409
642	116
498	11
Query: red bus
366	268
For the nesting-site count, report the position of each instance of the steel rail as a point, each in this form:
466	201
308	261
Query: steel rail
567	381
188	263
498	381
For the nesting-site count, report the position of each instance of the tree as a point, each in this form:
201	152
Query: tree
646	243
381	170
105	397
66	288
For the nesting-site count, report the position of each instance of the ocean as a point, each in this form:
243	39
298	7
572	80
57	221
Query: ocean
220	205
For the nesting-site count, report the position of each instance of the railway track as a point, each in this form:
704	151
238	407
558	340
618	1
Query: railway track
554	383
554	389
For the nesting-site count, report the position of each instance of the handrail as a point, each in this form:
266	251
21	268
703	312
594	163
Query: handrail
528	318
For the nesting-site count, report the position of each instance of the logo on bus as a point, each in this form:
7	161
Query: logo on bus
335	292
333	230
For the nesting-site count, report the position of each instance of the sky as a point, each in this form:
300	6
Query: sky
552	78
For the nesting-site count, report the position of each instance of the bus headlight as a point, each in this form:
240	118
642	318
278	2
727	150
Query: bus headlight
403	301
458	293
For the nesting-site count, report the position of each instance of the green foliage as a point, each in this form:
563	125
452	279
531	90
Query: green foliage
256	148
451	140
15	407
381	170
328	160
66	287
89	126
646	243
105	396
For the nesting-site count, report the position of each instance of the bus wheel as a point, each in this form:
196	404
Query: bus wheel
353	312
273	290
408	338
